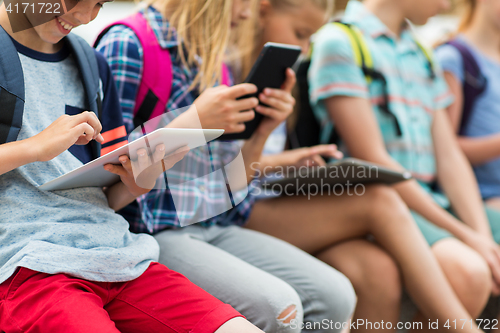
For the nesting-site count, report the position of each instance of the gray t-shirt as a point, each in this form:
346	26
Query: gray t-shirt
71	231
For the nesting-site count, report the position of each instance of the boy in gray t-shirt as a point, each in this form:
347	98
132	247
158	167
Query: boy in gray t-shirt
68	262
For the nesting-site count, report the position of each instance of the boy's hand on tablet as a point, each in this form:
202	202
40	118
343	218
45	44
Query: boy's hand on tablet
139	176
219	108
64	132
280	104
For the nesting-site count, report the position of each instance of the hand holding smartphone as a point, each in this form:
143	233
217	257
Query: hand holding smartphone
269	71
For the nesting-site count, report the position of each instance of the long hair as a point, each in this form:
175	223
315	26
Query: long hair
203	31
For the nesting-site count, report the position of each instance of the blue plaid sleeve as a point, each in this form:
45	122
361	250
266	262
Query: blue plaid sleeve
123	52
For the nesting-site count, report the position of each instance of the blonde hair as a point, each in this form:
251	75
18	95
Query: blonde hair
203	31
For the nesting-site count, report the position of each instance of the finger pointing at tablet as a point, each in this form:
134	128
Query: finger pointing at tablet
64	132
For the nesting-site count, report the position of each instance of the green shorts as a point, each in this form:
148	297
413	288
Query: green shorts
433	233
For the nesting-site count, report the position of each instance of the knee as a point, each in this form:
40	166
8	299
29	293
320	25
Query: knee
277	309
466	270
383	200
333	298
288	317
379	281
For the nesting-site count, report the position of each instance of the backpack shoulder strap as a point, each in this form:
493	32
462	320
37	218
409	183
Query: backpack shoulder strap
429	57
362	54
364	59
12	90
474	82
470	64
157	77
226	78
89	70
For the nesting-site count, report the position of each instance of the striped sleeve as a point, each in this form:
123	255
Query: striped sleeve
333	71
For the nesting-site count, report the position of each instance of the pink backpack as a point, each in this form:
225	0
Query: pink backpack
156	83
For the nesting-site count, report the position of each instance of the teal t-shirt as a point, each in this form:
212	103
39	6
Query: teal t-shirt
413	95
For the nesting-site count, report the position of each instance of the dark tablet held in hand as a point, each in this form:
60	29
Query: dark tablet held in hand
334	177
269	71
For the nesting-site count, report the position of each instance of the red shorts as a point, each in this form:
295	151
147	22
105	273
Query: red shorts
160	300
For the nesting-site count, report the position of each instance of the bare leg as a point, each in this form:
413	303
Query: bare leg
468	274
316	224
375	278
238	325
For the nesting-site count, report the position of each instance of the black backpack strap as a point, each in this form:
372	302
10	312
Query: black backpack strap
89	70
474	82
429	58
11	90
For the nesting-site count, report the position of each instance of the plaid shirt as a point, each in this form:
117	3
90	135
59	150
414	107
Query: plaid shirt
413	95
194	184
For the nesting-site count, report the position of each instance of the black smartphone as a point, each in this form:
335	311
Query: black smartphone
269	71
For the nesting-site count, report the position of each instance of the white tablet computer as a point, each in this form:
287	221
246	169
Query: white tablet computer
93	174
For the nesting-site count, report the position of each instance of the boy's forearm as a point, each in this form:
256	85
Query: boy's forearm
459	183
16	154
456	177
422	203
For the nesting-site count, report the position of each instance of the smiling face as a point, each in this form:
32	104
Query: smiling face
56	27
420	11
290	25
